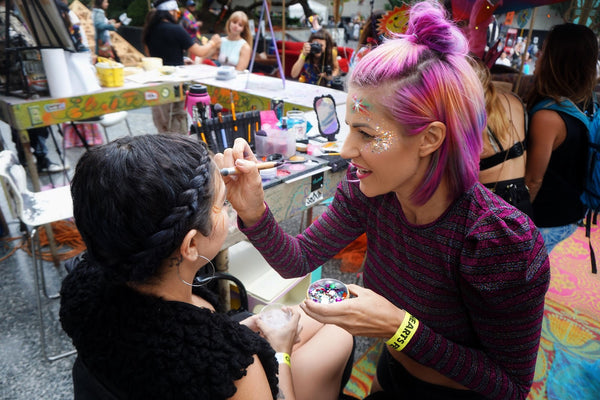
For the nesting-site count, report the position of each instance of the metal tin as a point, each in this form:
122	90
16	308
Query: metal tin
277	106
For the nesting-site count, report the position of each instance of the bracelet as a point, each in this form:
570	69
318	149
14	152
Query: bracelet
302	56
283	358
405	332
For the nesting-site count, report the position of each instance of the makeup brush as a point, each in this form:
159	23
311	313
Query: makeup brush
218	110
264	165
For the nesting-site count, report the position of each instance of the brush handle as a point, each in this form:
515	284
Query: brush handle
264	165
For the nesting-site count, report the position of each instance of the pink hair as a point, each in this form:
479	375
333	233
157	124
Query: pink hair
426	77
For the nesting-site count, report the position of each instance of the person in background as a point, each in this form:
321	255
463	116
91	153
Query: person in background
164	38
316	64
141	322
504	155
73	25
503	59
236	47
455	278
369	38
102	27
558	142
189	21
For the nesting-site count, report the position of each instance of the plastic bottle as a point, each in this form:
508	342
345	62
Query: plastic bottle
197	94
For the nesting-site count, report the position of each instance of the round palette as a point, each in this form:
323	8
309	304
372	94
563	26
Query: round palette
327	290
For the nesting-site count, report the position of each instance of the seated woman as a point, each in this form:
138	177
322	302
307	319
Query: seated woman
139	319
316	64
502	164
236	48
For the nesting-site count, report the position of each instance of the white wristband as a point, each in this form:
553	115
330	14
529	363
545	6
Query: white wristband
283	358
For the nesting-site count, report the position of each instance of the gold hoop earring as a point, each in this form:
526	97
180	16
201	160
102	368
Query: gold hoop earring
202	280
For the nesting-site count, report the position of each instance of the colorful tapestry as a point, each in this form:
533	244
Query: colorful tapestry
572	281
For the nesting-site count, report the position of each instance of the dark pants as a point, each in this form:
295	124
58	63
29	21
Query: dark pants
37	141
398	383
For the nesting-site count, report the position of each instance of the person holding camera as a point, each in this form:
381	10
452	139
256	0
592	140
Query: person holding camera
316	64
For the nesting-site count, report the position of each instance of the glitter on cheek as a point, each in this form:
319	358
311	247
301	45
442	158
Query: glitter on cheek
382	142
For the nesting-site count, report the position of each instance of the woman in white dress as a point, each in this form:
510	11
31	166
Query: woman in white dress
236	48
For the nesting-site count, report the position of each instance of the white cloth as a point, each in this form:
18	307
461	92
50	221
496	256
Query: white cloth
168	6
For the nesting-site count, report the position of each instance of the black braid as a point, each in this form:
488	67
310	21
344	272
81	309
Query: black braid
165	189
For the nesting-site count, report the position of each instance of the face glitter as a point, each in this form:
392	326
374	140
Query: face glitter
326	291
382	142
359	105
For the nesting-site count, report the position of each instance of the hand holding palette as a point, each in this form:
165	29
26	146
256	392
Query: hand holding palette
327	290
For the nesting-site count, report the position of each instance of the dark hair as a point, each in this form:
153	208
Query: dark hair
98	3
135	199
327	53
566	66
152	19
369	31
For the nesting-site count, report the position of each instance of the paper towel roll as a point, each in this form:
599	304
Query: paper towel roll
57	73
83	76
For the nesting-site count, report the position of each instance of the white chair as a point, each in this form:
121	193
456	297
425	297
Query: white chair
35	209
108	120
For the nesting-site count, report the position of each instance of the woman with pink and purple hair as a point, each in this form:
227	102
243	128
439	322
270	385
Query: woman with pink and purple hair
454	277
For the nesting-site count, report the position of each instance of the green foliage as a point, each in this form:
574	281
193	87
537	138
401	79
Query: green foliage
137	11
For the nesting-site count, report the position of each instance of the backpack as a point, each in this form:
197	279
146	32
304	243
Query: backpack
591	194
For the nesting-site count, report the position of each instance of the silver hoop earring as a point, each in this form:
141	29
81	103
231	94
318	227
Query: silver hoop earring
202	280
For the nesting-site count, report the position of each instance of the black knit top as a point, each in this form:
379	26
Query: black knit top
147	347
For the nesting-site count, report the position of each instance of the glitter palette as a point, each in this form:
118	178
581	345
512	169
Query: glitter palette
327	291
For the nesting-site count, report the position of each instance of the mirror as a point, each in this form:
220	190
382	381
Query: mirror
327	118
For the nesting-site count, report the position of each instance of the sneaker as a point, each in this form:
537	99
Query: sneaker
53	167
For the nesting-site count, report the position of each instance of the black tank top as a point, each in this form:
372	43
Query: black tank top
558	200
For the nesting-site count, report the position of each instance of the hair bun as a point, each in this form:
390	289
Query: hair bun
428	25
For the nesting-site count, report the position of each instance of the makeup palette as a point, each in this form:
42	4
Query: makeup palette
293	167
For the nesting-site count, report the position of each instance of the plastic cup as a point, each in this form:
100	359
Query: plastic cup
296	121
327	290
274	316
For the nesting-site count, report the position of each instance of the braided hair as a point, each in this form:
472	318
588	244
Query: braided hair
136	198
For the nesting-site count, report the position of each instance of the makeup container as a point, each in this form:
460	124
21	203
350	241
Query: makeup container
269	173
327	290
274	316
275	140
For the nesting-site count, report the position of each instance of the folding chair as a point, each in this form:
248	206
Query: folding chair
35	209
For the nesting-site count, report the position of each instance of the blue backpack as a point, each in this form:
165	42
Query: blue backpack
591	194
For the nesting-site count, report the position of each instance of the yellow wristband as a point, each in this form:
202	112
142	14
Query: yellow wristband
283	358
302	56
405	332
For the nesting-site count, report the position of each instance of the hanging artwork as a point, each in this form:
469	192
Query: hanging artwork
394	21
45	22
